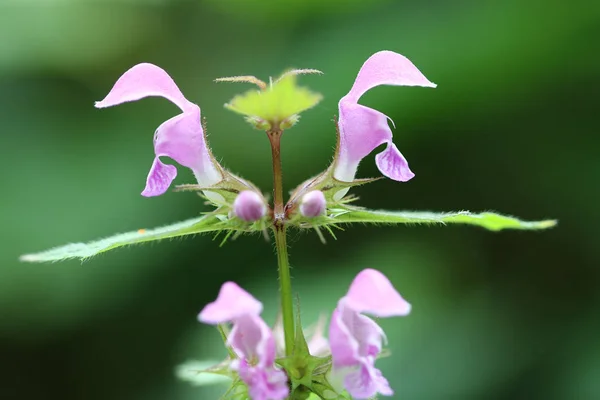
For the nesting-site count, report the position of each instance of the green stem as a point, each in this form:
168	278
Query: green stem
285	286
279	228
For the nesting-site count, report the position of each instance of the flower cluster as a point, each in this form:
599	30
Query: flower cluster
279	363
251	339
355	340
361	129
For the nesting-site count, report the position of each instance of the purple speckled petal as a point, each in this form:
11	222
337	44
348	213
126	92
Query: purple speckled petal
231	303
362	129
159	179
392	164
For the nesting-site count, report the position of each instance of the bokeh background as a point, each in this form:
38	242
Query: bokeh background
512	127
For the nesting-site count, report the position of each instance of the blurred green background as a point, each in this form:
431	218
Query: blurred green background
512	127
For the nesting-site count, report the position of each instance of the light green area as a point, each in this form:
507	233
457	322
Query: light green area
212	223
201	373
281	100
208	223
488	220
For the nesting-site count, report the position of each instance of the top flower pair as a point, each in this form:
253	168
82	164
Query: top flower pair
361	129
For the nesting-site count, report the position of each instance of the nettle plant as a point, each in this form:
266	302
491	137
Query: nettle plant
281	362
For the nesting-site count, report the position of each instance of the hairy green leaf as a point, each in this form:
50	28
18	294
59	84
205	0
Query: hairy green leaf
487	220
207	223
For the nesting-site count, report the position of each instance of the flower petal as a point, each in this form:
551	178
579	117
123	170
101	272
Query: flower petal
362	129
252	339
264	383
392	164
344	347
182	139
141	81
159	179
353	337
356	340
386	68
373	293
366	381
231	303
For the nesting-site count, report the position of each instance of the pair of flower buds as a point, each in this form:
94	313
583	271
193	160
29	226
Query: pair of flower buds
355	341
182	138
250	206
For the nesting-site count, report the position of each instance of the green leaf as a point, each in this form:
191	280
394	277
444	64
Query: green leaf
207	223
487	220
281	101
202	373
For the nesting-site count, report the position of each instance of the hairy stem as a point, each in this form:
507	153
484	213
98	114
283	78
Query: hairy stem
279	228
285	286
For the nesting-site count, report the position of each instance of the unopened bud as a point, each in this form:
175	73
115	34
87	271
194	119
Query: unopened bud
249	206
313	204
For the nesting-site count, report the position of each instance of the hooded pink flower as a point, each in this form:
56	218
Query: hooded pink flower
180	138
251	339
362	129
356	340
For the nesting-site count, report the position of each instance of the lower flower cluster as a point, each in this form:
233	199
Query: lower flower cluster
346	361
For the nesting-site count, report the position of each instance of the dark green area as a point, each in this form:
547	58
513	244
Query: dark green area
512	127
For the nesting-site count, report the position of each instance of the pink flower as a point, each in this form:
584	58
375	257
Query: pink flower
180	138
362	129
356	340
251	339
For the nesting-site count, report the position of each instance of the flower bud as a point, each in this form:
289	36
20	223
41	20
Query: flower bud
249	206
313	204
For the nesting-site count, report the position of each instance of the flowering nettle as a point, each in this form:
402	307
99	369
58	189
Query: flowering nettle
281	363
354	342
362	129
251	339
181	137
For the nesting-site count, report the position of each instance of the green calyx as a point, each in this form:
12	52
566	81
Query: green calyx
276	105
307	373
